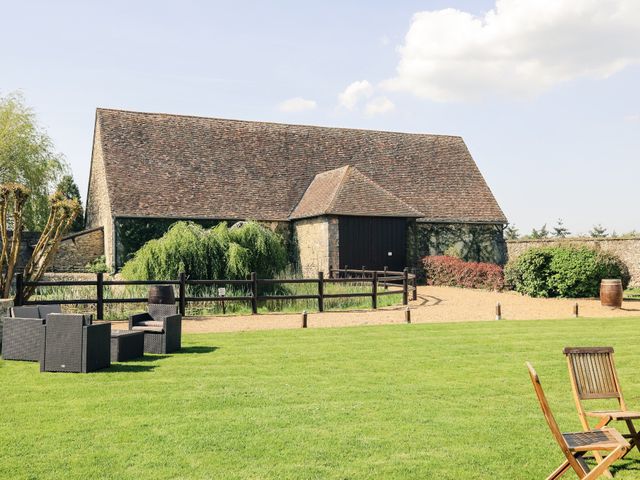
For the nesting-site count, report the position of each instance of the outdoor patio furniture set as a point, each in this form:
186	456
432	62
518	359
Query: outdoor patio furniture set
73	343
593	377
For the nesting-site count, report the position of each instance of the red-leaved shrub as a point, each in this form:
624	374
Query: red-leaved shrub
453	272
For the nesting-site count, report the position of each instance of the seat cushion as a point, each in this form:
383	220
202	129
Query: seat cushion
148	329
150	323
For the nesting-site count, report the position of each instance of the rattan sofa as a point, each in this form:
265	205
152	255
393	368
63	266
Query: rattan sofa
21	334
162	328
70	343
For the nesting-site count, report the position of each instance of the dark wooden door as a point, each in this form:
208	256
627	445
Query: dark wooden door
373	242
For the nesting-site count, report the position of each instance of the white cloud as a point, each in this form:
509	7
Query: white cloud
297	104
379	105
633	118
355	92
385	40
520	48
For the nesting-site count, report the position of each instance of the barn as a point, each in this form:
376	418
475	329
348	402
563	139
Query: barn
338	196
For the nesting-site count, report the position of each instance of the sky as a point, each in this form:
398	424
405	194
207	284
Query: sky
545	93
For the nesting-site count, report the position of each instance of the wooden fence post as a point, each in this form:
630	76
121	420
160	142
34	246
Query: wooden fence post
304	319
254	293
405	286
330	271
99	296
19	300
384	282
415	285
321	291
182	294
374	290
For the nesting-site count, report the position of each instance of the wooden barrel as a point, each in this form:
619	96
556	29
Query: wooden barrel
162	294
611	293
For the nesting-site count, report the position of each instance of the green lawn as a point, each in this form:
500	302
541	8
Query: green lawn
450	401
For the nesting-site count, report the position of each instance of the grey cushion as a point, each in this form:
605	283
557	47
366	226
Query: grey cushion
148	329
27	311
150	323
47	309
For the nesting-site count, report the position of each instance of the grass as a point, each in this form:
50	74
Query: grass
119	311
632	293
445	401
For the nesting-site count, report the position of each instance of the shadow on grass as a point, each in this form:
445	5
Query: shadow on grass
625	465
127	367
197	349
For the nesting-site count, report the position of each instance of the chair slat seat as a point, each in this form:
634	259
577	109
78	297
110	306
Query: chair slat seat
614	414
605	439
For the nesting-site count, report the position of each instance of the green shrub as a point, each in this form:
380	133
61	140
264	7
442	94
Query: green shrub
530	272
564	271
99	265
219	252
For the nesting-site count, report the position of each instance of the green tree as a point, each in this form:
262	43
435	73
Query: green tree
70	190
27	157
598	231
560	231
511	232
542	233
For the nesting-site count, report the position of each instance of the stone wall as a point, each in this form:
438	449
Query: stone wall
628	249
317	243
98	213
73	254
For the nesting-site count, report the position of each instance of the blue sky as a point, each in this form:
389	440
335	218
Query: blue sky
544	92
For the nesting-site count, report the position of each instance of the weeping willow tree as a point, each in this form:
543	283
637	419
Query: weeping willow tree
220	252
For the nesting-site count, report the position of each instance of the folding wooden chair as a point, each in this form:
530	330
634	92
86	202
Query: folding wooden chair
594	377
575	445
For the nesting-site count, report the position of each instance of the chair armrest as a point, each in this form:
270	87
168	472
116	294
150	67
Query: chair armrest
171	321
138	317
99	329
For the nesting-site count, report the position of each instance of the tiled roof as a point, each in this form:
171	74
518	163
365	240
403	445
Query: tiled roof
346	191
173	166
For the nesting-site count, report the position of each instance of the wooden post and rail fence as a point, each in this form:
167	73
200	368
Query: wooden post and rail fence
404	283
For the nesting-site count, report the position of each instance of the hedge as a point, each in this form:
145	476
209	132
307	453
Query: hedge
563	271
454	272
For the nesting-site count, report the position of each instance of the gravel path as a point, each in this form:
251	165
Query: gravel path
434	305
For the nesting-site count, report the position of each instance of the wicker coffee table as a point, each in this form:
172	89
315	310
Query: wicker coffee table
126	345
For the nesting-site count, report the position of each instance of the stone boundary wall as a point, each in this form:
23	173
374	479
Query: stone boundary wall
628	249
72	256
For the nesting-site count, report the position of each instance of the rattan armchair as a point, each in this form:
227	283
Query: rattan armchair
162	328
70	343
21	334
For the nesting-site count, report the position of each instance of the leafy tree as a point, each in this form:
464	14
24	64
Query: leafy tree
70	190
511	232
219	252
560	230
542	233
598	231
27	157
